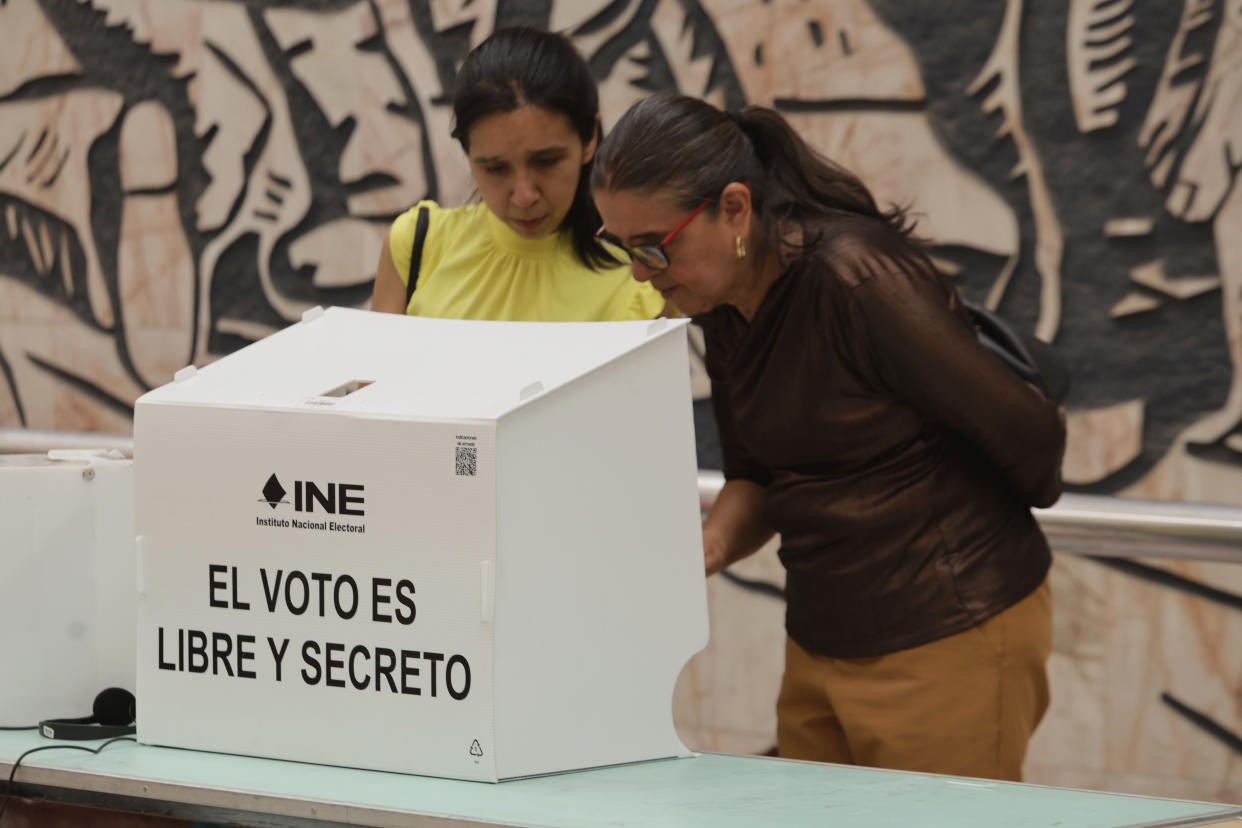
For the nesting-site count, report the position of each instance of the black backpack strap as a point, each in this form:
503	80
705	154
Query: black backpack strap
416	253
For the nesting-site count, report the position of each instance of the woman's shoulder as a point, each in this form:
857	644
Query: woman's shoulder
401	235
876	273
446	229
403	228
862	259
441	218
857	249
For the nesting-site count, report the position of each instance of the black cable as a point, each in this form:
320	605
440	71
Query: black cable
20	727
8	791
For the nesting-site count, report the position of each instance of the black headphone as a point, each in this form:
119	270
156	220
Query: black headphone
113	715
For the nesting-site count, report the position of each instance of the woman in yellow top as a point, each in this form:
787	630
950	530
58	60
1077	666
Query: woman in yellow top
526	112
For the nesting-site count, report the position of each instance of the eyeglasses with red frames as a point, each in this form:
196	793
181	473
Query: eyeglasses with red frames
652	255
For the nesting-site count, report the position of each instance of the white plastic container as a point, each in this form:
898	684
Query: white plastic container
67	570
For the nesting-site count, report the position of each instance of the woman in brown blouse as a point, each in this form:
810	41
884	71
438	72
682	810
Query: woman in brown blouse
860	418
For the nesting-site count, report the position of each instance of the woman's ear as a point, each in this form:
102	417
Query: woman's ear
588	152
735	206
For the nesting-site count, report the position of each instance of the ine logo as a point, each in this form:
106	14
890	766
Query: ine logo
273	492
330	498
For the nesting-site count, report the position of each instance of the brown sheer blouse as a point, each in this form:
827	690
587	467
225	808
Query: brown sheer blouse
900	457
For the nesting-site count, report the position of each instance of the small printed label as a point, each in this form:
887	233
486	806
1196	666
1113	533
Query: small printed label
476	749
467	456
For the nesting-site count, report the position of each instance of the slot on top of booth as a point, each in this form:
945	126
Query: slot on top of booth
347	388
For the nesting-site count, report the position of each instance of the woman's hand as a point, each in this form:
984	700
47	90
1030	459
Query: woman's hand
714	557
735	527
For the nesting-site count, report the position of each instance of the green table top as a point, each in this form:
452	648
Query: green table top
704	790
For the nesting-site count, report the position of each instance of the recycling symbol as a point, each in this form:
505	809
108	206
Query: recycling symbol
475	748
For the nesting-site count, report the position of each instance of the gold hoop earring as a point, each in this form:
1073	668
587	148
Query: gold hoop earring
740	244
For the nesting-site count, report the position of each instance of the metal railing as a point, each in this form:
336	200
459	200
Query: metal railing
1095	525
36	441
1115	527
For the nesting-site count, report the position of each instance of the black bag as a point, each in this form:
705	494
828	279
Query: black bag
1035	361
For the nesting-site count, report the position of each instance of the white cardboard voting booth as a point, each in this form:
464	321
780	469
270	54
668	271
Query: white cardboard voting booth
67	616
461	549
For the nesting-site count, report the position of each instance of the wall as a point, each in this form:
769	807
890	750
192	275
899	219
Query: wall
179	178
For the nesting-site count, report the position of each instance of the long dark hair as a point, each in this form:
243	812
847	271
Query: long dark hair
689	149
519	66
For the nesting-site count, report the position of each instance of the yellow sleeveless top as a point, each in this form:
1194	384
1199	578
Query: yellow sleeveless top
475	267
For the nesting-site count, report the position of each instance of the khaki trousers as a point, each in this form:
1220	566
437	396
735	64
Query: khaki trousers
964	705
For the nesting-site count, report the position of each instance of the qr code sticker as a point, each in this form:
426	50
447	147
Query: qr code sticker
467	461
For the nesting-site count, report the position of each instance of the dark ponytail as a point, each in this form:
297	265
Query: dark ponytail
519	66
689	149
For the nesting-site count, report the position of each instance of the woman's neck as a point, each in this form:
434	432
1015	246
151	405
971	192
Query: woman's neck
764	269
